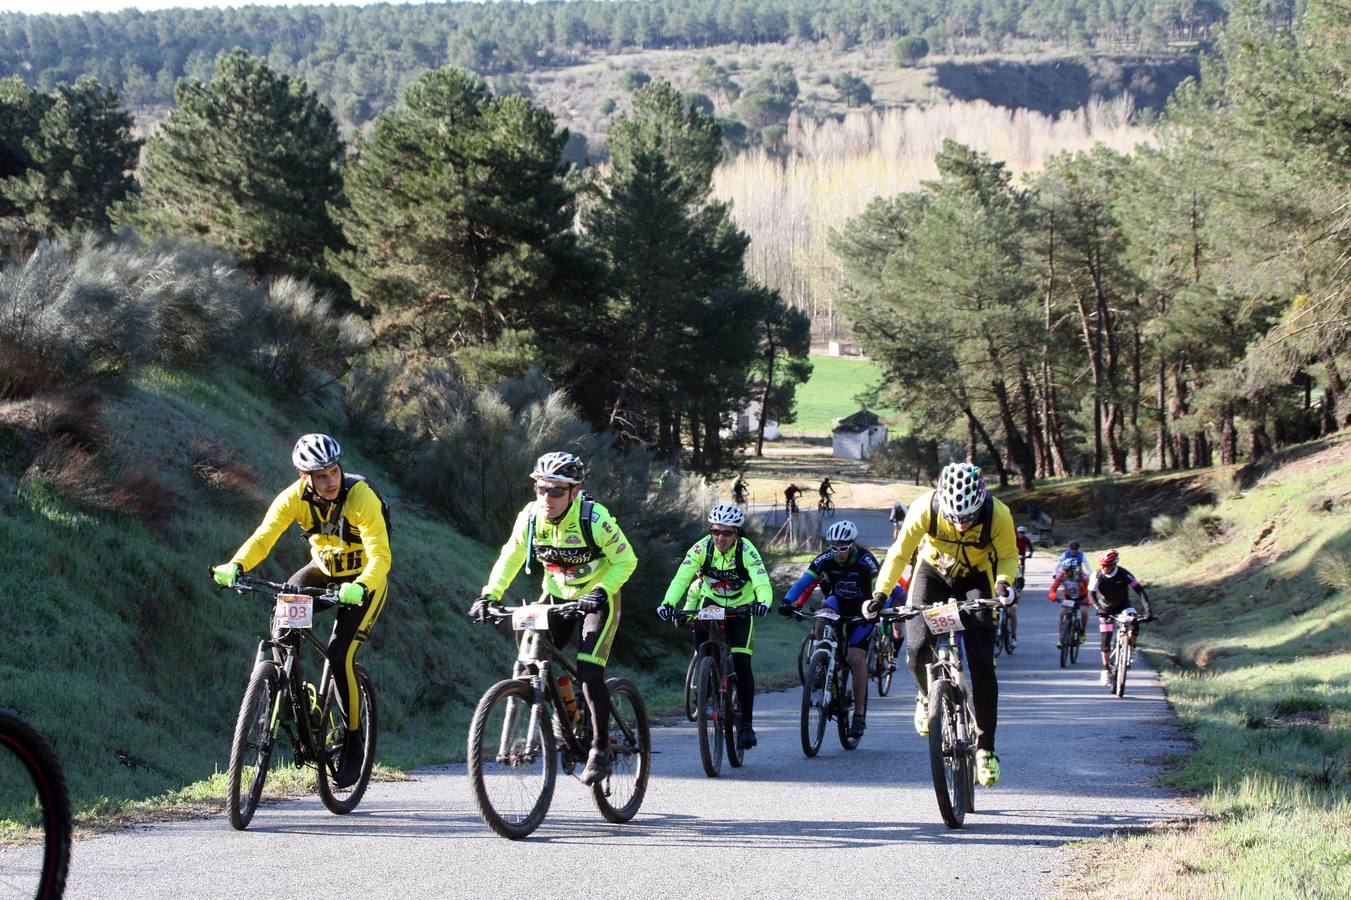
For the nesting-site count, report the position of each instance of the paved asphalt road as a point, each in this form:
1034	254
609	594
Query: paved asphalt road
1077	763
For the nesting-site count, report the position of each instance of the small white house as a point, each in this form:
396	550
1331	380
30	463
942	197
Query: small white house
748	422
855	436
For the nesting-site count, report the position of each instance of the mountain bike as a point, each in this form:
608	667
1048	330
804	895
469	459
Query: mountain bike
1071	631
1119	656
719	708
952	719
828	691
279	702
826	507
882	659
33	804
524	728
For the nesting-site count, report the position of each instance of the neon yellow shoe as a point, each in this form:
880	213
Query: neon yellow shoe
921	715
987	768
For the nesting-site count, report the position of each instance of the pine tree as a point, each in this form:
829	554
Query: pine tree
21	111
82	156
248	162
460	221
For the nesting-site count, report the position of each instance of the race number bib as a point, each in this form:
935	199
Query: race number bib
530	618
943	619
294	611
1068	603
828	614
712	614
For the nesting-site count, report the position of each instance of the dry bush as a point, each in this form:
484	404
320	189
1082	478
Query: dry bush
789	207
23	372
76	474
301	343
221	470
71	416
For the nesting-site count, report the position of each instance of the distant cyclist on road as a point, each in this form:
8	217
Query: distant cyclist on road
739	491
347	525
1075	583
1073	556
847	574
725	570
897	517
826	490
790	495
1109	589
964	542
586	559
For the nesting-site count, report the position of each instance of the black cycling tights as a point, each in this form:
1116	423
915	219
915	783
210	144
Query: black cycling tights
597	694
745	686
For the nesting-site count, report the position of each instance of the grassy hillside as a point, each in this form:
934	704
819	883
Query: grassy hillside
1253	592
123	653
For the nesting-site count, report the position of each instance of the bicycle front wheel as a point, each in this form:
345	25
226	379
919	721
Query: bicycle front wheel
884	662
815	701
691	686
844	704
251	749
731	724
512	764
710	711
1123	663
332	738
1066	636
804	655
1076	636
946	755
1001	618
619	795
33	801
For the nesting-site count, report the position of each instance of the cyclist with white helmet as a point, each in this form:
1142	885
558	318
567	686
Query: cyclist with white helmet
846	573
347	525
586	559
729	573
965	545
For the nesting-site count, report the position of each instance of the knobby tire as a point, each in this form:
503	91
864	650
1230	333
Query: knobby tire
516	699
815	702
946	759
252	744
619	795
52	801
341	801
710	728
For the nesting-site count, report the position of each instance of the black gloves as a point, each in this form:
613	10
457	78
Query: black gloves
592	600
786	609
759	609
479	611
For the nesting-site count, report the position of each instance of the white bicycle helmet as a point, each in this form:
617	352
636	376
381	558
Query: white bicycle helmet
1022	530
560	466
842	532
726	514
314	452
961	491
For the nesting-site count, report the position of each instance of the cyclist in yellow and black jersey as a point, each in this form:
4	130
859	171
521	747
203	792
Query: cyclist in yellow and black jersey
347	525
965	544
586	558
730	573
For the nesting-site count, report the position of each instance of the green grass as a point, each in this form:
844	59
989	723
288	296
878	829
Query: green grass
832	391
1252	645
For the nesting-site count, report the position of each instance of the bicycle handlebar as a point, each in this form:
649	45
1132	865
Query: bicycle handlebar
246	584
684	617
497	611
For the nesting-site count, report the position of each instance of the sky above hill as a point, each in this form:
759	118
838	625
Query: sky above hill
68	7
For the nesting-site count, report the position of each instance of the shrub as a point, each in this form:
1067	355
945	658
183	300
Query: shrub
632	79
607	106
909	49
1334	571
301	343
1165	526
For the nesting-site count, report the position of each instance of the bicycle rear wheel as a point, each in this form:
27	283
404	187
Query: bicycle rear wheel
691	686
844	705
331	740
251	749
1066	635
946	756
512	763
619	795
1076	636
815	697
32	796
710	728
732	724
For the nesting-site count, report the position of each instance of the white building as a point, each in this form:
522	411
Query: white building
855	436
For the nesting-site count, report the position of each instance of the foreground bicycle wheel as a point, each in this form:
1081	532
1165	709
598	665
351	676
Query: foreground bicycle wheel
691	686
512	764
251	749
619	795
710	726
946	757
1123	664
815	699
1066	635
1076	635
845	704
804	654
33	802
343	800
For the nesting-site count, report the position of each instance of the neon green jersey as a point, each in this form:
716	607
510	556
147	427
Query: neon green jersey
719	580
571	567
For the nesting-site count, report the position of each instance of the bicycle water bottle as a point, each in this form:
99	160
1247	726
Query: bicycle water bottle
569	698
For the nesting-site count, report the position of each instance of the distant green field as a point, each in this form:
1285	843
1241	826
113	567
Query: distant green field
831	393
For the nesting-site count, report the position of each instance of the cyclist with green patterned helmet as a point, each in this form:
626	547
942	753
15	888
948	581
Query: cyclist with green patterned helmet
586	559
964	543
347	525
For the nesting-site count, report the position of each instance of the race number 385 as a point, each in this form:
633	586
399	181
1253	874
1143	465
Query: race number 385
943	619
294	611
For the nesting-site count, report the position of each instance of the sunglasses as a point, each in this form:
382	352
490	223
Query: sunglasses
545	491
722	532
842	548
